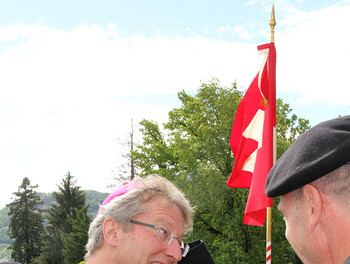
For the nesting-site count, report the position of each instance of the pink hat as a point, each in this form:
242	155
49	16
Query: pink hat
126	187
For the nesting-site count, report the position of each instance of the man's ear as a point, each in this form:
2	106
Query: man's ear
111	230
314	205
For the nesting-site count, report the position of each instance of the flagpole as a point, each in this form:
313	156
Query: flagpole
272	24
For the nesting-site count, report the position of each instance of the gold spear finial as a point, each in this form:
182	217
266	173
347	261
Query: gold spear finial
272	24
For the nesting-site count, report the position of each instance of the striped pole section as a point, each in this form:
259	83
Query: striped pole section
268	235
268	252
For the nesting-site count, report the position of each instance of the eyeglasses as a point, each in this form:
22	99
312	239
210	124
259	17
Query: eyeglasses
165	236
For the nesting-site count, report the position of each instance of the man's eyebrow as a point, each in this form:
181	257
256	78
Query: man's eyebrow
168	226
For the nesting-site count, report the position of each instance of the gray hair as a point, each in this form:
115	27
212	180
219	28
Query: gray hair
335	184
126	206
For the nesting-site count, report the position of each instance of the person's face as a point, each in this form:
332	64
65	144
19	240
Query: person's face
141	246
297	232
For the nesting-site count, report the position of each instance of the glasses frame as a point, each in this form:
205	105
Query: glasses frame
184	247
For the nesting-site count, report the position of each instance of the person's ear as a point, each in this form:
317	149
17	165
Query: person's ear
111	231
314	205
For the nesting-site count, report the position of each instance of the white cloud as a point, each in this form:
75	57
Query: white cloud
56	69
243	32
222	29
314	56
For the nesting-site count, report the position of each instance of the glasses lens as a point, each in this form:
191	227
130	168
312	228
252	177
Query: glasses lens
165	236
168	237
162	235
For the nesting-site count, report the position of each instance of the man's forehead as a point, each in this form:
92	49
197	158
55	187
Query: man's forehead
161	212
161	205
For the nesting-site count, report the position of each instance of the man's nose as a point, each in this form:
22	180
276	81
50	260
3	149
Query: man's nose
173	251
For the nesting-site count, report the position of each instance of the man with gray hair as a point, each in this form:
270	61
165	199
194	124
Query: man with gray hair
143	222
313	179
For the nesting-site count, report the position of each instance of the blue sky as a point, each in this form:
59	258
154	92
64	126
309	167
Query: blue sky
73	73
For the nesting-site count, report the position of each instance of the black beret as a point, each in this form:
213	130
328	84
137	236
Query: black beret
319	151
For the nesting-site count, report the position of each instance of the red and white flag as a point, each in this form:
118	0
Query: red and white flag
253	138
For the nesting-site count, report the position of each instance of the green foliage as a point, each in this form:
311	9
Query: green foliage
4	252
68	199
26	223
4	220
5	240
74	242
60	216
195	154
94	199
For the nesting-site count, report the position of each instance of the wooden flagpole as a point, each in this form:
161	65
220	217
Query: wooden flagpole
272	24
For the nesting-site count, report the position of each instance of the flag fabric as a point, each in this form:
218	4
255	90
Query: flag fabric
253	138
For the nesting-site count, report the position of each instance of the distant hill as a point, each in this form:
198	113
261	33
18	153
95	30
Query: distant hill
93	198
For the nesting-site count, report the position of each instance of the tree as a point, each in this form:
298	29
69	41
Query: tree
26	223
74	242
69	200
128	170
195	154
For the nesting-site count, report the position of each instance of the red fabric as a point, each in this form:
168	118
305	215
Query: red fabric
252	140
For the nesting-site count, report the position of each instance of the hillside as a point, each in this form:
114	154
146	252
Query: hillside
94	199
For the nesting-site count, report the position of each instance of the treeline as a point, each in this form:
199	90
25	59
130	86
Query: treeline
50	232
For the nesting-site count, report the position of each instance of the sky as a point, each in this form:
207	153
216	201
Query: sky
73	73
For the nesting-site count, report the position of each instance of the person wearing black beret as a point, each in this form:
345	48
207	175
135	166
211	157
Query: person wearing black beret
313	179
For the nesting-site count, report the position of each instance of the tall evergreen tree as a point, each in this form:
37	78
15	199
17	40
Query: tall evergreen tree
74	242
26	223
69	199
